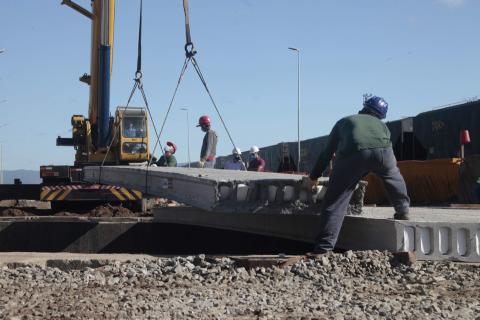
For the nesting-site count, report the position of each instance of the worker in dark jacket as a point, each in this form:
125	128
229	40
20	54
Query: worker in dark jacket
168	159
361	144
209	145
256	162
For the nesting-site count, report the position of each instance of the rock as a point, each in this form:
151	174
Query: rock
349	254
189	266
325	261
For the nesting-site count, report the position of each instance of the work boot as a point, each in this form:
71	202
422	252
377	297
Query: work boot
314	256
401	216
317	253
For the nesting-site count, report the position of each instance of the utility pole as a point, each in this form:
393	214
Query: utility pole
188	136
298	106
1	145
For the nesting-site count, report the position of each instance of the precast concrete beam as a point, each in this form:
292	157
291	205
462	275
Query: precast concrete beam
132	235
208	189
433	233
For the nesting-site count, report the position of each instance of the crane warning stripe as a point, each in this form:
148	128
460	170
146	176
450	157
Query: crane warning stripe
62	194
80	187
117	194
53	195
127	194
43	194
137	194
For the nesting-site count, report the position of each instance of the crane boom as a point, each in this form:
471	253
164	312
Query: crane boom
103	18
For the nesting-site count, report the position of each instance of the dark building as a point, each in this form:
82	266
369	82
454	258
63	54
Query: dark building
429	135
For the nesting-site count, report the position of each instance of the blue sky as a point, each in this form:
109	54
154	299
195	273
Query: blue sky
417	54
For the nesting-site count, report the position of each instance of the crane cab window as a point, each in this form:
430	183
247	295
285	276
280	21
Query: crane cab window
134	127
134	147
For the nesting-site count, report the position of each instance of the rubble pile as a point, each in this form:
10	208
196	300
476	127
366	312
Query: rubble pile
351	285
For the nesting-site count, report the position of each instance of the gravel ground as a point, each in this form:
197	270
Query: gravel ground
352	285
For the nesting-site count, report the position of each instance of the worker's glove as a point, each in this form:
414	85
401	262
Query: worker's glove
201	164
314	188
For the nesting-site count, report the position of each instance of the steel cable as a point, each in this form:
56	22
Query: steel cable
182	72
204	82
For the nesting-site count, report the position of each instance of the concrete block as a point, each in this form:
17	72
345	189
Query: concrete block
242	192
208	189
272	193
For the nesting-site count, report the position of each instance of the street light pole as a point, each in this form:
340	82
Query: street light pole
1	163
188	135
298	106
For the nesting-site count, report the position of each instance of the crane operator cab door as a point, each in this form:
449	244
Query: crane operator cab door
133	134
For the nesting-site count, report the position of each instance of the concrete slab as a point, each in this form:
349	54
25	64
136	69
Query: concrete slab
208	189
434	233
427	214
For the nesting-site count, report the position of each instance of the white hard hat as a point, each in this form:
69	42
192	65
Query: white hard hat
236	151
254	149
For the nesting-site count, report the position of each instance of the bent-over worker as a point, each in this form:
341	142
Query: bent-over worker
361	144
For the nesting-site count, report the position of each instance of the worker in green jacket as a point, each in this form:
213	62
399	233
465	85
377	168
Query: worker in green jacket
168	159
361	144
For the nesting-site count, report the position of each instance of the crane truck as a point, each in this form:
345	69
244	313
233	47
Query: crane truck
97	139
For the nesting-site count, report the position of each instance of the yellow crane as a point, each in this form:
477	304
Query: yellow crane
98	138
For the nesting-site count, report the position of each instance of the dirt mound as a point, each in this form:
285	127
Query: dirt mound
104	211
99	212
13	212
112	211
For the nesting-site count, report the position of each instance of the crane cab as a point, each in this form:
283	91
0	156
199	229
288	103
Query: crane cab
133	136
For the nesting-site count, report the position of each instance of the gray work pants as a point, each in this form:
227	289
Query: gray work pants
345	175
